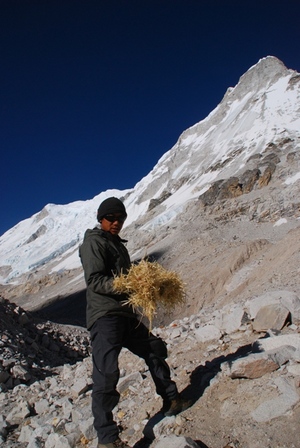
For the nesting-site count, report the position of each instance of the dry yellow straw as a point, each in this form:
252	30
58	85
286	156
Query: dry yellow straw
148	285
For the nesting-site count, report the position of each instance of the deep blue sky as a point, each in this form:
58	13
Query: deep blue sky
94	92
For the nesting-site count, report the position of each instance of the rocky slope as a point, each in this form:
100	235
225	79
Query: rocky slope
242	377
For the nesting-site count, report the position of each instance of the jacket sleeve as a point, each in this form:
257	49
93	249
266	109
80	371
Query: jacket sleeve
96	272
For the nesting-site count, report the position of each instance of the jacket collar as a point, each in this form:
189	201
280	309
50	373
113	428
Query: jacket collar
113	238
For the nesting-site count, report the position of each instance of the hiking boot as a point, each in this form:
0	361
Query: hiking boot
174	407
116	444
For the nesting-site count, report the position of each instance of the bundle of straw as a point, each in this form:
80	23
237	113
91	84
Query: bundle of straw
148	285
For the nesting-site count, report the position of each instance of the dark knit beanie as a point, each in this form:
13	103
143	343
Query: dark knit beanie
110	205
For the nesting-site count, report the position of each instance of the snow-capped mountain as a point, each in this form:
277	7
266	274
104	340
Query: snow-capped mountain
261	110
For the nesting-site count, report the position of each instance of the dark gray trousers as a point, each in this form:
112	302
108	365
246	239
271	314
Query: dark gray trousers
108	335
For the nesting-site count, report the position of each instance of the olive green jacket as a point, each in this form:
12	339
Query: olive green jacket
103	256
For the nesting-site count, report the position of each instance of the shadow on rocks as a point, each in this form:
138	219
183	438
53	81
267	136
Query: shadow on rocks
33	346
146	443
151	257
199	380
68	310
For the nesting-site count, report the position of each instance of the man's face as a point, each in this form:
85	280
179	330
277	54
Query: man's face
113	223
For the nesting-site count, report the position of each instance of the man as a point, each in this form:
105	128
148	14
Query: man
114	325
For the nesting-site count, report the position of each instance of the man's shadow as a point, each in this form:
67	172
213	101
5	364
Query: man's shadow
199	380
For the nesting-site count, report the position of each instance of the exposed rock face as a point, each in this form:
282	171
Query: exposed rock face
273	316
155	202
40	231
248	179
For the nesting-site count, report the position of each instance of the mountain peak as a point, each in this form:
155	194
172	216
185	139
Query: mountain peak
258	77
261	110
267	69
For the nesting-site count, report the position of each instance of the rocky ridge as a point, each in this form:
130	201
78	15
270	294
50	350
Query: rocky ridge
244	359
